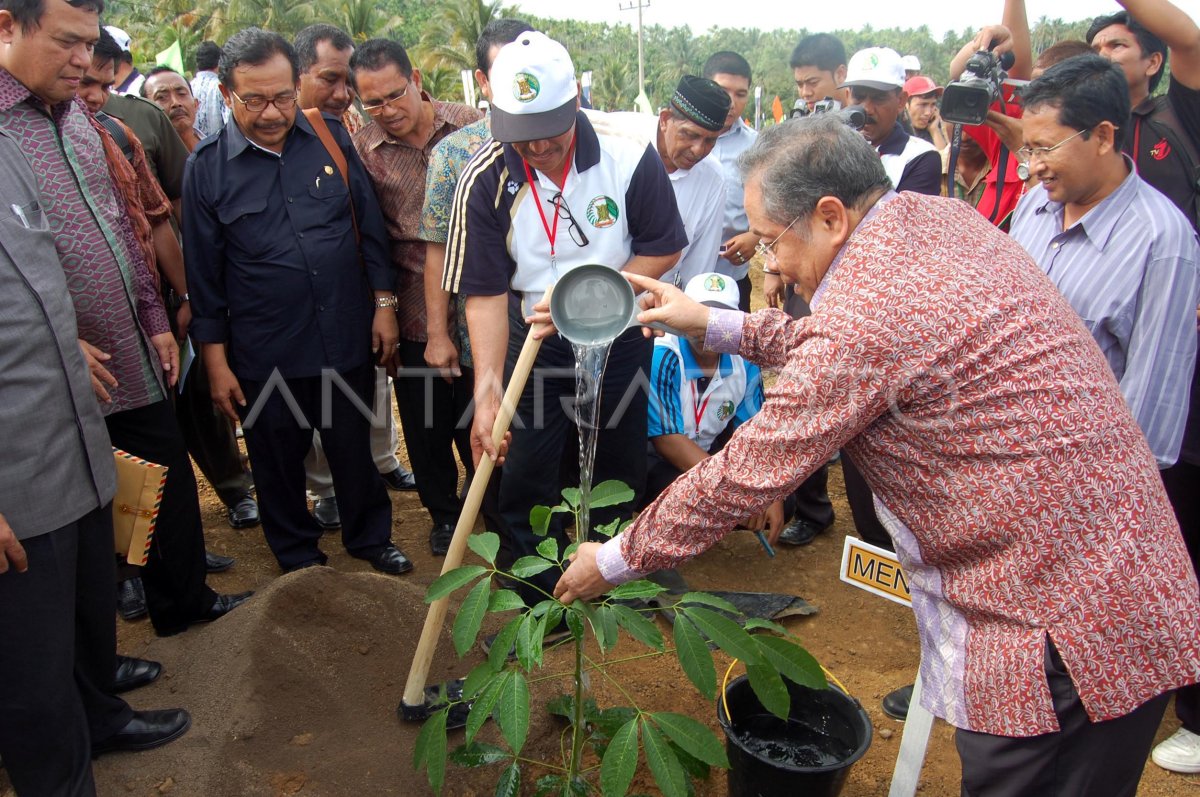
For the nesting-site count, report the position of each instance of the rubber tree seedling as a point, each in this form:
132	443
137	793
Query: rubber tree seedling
602	747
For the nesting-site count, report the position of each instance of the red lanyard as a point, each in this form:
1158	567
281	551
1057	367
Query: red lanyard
551	231
698	408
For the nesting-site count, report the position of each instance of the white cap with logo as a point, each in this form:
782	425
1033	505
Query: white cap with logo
714	290
911	63
879	68
534	94
122	38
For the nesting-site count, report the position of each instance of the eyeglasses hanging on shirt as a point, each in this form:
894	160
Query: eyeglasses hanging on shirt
573	228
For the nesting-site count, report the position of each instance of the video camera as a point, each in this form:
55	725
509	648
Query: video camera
852	115
966	100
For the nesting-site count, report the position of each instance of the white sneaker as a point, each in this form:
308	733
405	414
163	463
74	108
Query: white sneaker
1179	753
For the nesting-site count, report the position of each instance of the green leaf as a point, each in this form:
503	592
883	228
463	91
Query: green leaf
639	627
575	621
550	786
448	582
769	689
725	633
606	631
477	679
528	566
529	650
757	624
792	661
505	600
610	493
487	545
478	754
612	527
429	752
503	643
470	616
620	761
693	737
481	710
509	784
512	711
695	657
572	496
710	600
668	774
636	589
539	520
554	618
572	548
548	549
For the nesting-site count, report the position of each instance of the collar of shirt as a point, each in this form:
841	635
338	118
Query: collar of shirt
895	143
13	92
1099	222
587	151
239	143
692	369
823	285
374	136
740	128
129	81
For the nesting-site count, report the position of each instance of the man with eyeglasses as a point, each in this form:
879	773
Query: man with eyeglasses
292	289
406	124
551	193
1124	256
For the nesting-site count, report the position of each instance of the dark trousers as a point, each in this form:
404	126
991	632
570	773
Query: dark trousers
58	659
430	411
278	422
862	506
542	430
1083	758
176	594
1182	481
210	438
745	288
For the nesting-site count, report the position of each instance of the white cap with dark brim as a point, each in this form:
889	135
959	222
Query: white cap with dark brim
879	68
534	93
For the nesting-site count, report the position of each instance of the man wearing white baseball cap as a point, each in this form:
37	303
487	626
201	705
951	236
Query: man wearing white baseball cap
875	77
548	194
128	79
699	397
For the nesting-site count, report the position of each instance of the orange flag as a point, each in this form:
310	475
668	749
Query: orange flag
777	109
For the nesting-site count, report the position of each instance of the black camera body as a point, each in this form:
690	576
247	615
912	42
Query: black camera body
966	100
852	115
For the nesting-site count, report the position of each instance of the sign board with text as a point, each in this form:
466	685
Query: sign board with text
874	569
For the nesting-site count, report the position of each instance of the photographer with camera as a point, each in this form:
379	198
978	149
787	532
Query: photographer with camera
922	107
875	77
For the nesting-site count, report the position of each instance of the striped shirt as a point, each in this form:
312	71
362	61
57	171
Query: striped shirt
1129	268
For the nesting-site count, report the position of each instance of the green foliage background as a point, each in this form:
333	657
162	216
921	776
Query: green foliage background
441	36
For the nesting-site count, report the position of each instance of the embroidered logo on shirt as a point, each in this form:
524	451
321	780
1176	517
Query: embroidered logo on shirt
725	411
1161	150
512	188
602	212
526	87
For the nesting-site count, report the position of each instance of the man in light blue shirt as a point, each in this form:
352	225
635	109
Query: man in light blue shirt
1121	252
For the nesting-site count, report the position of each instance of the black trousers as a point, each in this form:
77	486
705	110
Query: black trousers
1082	759
278	422
58	659
1182	481
176	594
210	438
430	413
543	430
862	506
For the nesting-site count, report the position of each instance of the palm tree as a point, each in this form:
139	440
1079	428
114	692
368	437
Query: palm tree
449	38
366	19
614	83
286	17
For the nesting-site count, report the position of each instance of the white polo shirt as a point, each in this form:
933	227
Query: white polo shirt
730	145
616	192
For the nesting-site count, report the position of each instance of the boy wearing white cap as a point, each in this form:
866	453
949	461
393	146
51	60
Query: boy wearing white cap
128	80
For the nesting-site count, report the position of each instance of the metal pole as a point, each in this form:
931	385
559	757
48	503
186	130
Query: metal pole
641	64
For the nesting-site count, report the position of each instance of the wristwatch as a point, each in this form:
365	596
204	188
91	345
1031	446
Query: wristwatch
387	302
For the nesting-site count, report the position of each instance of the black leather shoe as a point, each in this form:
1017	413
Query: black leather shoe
215	563
399	479
895	703
135	673
325	512
147	730
131	599
390	560
224	605
244	514
439	538
799	532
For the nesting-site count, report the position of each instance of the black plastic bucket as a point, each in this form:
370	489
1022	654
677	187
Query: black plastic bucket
810	754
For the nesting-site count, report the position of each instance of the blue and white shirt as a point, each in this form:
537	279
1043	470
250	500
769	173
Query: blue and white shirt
730	145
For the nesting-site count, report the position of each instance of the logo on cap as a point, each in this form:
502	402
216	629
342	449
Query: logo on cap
714	284
873	60
526	87
602	212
